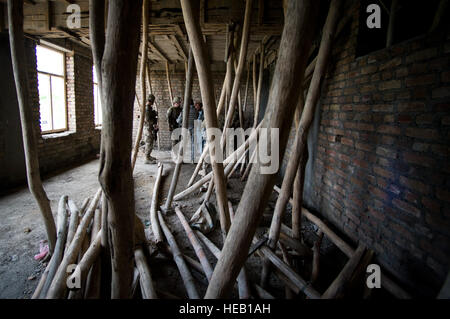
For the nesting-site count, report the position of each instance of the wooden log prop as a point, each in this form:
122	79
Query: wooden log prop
58	285
199	251
358	277
88	259
154	207
305	122
243	282
391	25
294	47
255	89
186	107
262	293
260	78
316	258
73	222
60	244
387	283
287	271
169	83
286	258
240	68
338	284
186	275
244	107
202	63
92	287
97	35
146	282
19	65
144	54
119	78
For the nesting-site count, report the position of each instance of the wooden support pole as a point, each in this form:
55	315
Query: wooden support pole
305	121
316	258
119	78
391	25
294	48
205	78
255	89
186	275
260	78
169	83
186	107
240	68
440	13
142	70
73	222
338	284
154	207
195	244
146	282
299	282
286	258
243	283
97	35
19	64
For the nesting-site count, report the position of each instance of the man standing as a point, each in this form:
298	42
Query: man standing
172	116
151	128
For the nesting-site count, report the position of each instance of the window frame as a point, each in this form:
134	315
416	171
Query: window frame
50	75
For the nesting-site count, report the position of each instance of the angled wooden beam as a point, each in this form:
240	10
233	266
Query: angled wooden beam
178	46
158	52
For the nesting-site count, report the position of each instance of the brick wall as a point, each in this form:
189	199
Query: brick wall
178	79
82	140
381	168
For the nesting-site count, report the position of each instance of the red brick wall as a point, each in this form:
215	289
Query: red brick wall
381	168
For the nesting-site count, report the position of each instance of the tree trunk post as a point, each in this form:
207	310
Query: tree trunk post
205	78
294	49
119	67
19	64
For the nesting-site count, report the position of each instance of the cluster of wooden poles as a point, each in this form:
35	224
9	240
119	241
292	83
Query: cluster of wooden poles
112	238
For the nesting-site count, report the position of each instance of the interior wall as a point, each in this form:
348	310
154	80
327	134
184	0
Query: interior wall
12	160
56	151
379	155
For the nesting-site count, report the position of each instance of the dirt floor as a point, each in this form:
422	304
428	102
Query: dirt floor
21	229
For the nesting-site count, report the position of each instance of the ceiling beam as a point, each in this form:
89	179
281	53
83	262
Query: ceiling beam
178	46
158	52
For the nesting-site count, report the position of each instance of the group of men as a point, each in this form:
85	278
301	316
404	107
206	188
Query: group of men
174	119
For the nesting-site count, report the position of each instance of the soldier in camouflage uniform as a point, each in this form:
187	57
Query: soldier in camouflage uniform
151	128
172	116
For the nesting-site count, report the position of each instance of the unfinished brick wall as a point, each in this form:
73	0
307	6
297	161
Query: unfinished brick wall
82	140
381	160
178	79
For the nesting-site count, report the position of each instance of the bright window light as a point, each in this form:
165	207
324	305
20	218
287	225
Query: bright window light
52	89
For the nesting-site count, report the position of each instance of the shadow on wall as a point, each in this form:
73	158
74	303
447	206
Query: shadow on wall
12	160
